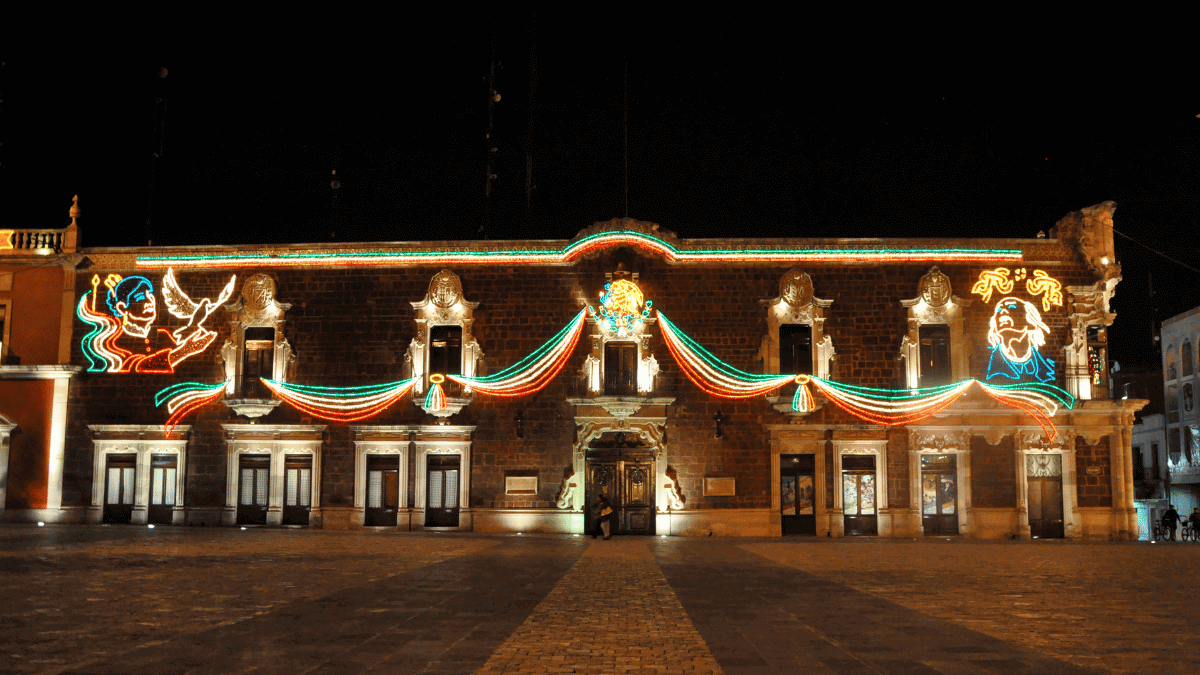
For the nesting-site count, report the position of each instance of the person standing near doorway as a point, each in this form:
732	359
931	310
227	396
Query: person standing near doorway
1171	520
605	511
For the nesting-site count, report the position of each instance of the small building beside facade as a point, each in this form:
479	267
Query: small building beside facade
732	387
1180	339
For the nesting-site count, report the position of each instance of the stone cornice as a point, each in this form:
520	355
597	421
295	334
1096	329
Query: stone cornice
38	372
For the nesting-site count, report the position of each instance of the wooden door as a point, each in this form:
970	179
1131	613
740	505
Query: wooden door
858	495
163	479
383	490
253	489
939	494
636	507
297	489
120	481
796	494
441	490
1045	508
628	484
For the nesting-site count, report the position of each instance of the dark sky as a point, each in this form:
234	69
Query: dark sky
731	132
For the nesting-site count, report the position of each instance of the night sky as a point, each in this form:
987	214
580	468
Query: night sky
730	133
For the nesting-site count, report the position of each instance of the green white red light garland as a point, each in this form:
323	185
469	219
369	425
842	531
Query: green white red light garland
184	398
534	371
341	404
888	407
573	251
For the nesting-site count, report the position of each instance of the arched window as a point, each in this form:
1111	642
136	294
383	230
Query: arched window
1185	363
1169	363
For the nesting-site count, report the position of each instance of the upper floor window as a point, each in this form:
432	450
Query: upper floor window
1098	360
935	348
1185	358
935	355
257	349
1169	357
443	343
1172	404
796	341
445	350
620	369
258	363
795	349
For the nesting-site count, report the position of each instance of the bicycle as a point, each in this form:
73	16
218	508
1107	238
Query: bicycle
1187	532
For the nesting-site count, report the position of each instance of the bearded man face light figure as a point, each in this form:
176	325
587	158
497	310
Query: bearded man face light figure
1016	335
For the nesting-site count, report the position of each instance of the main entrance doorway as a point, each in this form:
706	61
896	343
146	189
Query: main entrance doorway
441	490
1043	475
118	496
858	495
796	494
623	471
383	490
939	494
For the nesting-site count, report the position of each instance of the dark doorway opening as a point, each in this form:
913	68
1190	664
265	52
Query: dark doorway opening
1046	508
797	494
297	491
120	471
253	489
939	494
383	490
441	490
163	480
859	511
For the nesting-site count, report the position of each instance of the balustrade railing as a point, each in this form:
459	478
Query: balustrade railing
24	241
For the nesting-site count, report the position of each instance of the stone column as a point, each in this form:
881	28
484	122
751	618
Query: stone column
141	490
1023	531
1121	502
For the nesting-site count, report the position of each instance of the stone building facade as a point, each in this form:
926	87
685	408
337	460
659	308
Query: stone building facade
733	387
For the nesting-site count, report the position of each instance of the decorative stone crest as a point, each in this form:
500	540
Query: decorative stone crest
445	289
796	288
935	288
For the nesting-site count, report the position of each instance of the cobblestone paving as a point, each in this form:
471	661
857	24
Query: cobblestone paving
119	600
70	603
1126	608
612	613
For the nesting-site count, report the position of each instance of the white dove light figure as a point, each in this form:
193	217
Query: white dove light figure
181	306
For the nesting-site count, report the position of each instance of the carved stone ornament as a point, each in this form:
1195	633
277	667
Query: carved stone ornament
939	441
935	288
796	288
1036	441
259	294
445	289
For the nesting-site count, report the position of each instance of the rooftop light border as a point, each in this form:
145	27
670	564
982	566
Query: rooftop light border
573	251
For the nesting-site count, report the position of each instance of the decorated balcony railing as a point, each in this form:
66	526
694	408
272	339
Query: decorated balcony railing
18	242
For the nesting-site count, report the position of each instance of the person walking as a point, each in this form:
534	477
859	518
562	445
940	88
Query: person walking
1194	519
604	519
1171	520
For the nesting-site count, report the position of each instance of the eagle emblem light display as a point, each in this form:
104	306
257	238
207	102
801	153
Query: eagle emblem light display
622	306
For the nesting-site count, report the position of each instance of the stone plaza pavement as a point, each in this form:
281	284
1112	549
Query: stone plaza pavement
125	599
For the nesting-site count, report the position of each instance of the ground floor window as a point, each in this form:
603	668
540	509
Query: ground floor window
254	489
939	494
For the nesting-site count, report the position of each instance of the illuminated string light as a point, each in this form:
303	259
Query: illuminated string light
887	407
584	246
129	309
341	404
184	398
435	400
711	374
534	371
